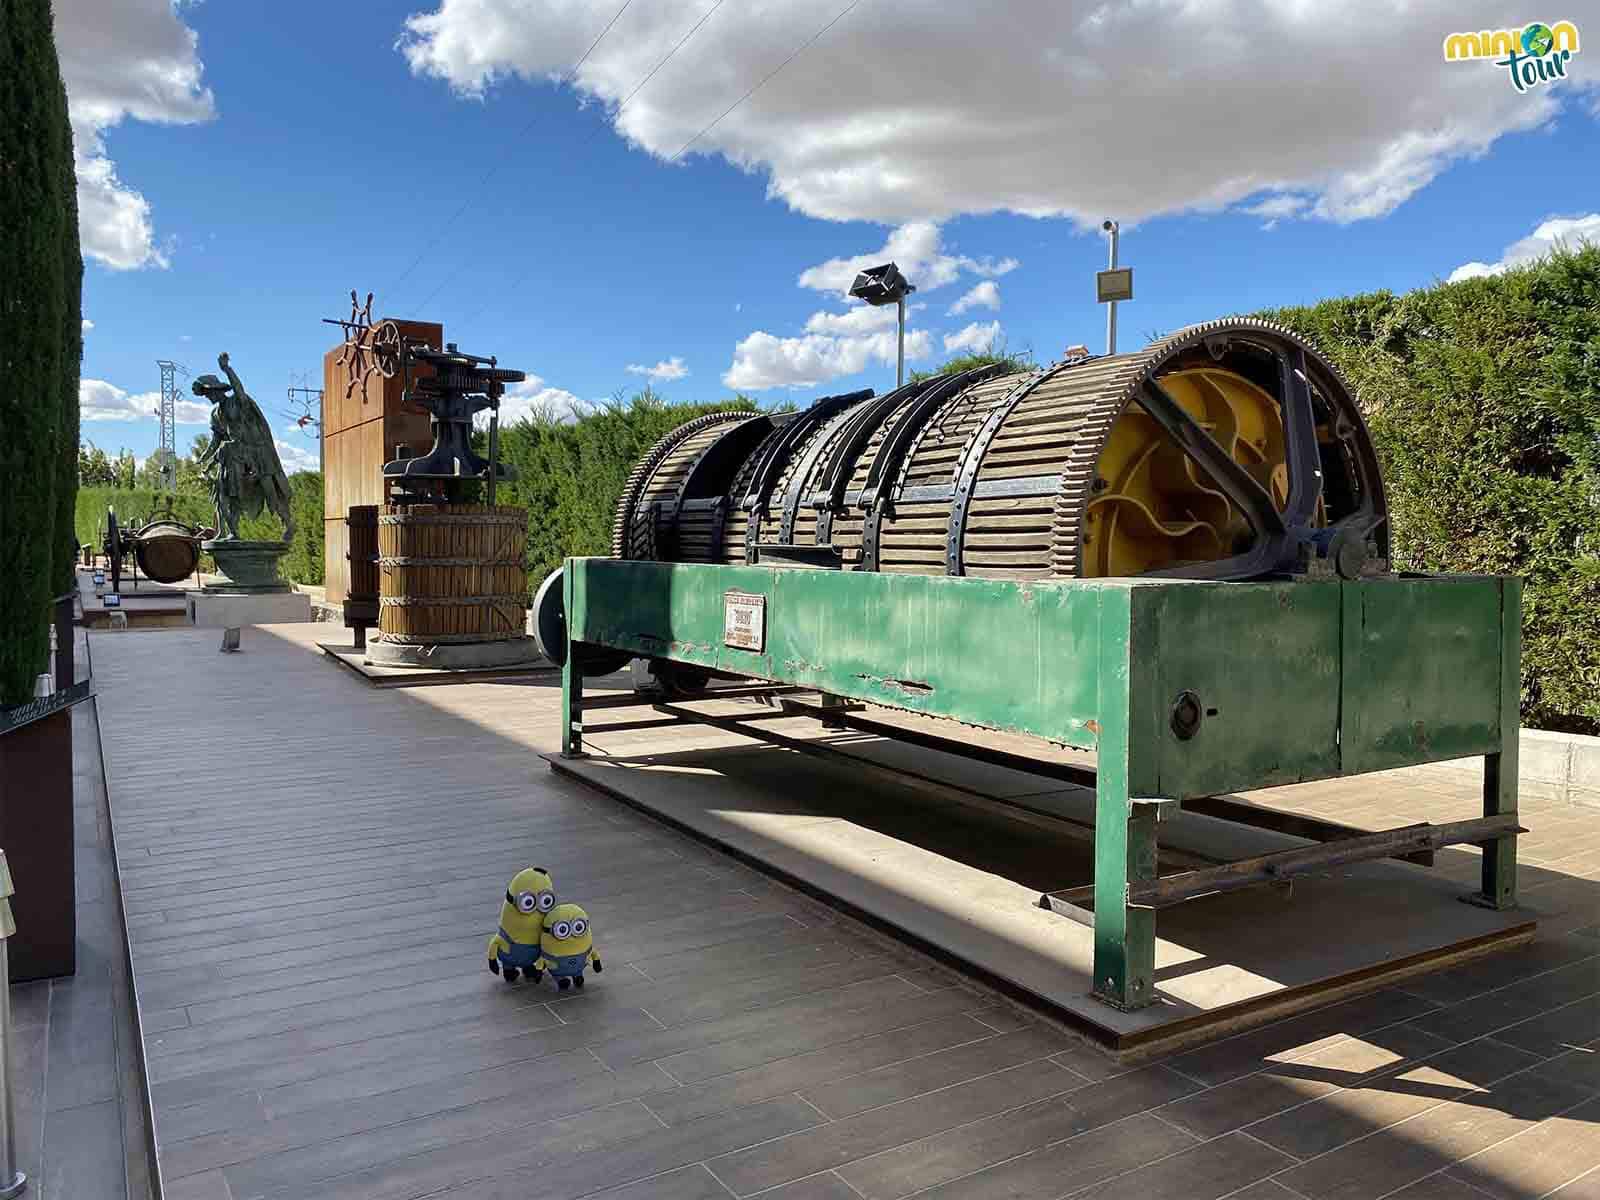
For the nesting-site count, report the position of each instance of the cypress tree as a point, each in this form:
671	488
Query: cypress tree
38	245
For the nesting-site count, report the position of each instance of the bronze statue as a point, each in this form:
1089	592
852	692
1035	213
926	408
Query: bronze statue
248	474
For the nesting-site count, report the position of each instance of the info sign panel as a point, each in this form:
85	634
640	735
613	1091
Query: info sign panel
744	621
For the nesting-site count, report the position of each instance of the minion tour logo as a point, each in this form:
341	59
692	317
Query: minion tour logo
1535	54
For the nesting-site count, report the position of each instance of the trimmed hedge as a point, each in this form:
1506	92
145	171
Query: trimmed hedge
41	271
571	474
1484	400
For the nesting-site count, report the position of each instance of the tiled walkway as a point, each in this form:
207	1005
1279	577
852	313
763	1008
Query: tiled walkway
311	870
79	1120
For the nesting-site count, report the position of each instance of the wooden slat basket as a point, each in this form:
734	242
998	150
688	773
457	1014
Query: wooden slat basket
451	573
363	552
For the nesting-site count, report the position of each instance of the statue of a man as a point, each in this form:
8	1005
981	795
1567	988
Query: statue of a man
249	476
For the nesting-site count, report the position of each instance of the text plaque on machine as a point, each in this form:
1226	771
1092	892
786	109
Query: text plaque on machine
744	621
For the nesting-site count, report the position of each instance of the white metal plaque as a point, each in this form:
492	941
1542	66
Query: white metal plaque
744	621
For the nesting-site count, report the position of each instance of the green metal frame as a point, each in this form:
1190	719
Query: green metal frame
1295	680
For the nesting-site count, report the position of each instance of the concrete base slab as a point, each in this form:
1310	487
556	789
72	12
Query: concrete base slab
455	656
382	676
965	882
223	610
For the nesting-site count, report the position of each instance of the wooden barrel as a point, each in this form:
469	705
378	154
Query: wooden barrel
452	573
167	551
362	522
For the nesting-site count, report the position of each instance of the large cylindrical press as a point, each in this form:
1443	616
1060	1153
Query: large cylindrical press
1231	450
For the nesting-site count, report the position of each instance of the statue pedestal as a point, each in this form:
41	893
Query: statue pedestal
254	593
251	567
232	610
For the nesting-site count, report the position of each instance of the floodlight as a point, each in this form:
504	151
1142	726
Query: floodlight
881	285
884	285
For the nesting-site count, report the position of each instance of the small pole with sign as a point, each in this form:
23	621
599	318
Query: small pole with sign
1112	285
12	1181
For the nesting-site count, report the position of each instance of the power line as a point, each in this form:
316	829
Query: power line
473	195
649	75
798	52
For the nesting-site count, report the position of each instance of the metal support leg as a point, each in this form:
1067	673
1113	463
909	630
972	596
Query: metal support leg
1124	826
571	684
1500	770
1124	936
361	637
830	701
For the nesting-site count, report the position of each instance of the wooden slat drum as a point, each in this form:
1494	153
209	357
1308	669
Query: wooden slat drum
452	573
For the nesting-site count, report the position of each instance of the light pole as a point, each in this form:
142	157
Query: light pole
1112	285
883	285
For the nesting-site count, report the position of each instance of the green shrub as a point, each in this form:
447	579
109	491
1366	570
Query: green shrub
303	562
570	474
1484	401
40	323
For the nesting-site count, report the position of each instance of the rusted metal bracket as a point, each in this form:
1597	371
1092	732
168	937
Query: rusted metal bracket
1275	868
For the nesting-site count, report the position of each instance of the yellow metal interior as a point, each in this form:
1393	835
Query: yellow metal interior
1153	506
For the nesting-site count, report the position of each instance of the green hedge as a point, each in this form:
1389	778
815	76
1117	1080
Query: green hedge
41	273
1484	400
570	474
303	562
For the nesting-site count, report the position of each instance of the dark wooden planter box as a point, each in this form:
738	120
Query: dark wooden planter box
36	833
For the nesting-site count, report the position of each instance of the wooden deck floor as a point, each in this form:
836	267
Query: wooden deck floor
310	867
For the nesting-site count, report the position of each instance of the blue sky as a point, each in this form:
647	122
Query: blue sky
286	154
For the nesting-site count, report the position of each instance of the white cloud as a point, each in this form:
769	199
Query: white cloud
984	295
294	456
99	400
534	397
974	338
136	59
917	248
763	361
665	370
865	125
87	324
1570	232
858	319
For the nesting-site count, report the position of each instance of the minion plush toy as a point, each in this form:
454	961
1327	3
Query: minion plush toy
566	946
515	945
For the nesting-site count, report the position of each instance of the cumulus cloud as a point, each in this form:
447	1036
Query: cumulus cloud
134	59
99	400
295	456
1569	232
917	248
854	321
533	397
1086	109
87	324
974	338
763	361
665	370
984	295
